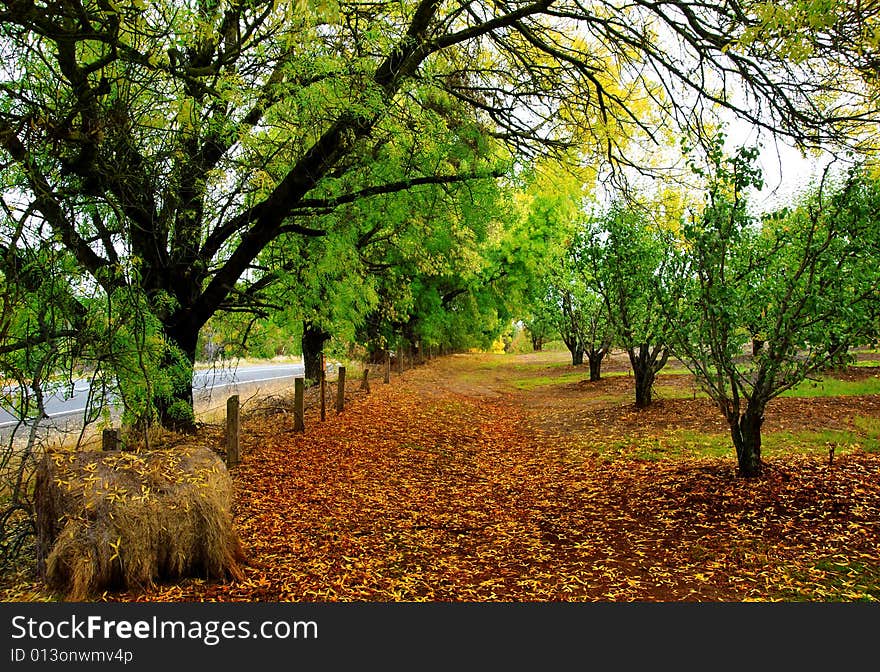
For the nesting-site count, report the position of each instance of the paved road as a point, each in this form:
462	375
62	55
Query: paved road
67	409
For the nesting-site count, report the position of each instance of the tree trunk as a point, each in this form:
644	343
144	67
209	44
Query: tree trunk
645	363
377	355
576	350
644	377
313	340
746	433
837	353
537	343
595	358
757	345
175	411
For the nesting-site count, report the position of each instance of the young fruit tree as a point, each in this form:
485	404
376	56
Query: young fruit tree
579	315
618	256
805	278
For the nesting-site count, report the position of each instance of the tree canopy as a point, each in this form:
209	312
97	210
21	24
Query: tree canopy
189	155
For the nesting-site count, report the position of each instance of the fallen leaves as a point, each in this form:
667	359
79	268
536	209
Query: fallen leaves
428	490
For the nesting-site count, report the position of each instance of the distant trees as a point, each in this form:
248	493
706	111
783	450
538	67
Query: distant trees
532	253
540	324
751	304
577	314
598	289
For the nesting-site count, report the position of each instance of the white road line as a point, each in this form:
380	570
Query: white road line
258	380
61	414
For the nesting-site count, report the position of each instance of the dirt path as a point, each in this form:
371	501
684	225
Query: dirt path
455	484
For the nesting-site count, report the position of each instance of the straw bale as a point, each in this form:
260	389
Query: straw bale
120	520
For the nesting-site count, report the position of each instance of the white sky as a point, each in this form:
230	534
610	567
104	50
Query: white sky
786	171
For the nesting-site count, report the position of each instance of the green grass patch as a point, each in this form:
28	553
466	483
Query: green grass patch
542	381
690	444
835	580
681	444
833	387
869	431
509	362
540	366
817	442
583	374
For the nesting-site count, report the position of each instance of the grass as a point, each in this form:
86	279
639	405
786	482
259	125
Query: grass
577	376
491	361
818	442
869	429
843	580
825	387
834	387
865	436
542	381
866	363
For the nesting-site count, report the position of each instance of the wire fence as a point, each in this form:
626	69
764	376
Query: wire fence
26	443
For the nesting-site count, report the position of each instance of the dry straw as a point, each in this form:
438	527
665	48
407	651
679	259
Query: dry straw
123	520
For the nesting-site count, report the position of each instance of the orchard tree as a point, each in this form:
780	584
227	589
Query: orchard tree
618	255
165	145
805	278
579	316
596	331
540	325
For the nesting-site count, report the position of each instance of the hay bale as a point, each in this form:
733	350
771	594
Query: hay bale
123	520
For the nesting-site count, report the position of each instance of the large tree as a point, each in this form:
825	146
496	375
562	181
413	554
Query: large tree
165	145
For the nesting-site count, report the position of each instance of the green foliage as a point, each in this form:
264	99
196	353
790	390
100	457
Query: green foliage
803	279
540	324
619	257
337	161
180	412
618	254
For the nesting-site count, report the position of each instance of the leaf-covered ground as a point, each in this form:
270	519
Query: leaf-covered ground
457	482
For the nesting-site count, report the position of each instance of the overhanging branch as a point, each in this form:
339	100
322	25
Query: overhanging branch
394	187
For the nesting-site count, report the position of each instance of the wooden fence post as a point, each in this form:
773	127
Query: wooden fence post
298	405
365	383
387	367
110	440
340	390
323	389
233	427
